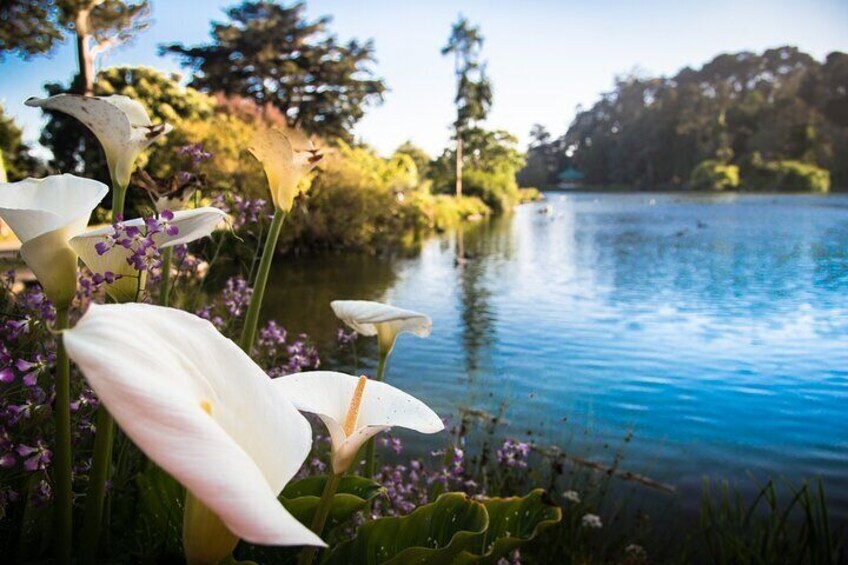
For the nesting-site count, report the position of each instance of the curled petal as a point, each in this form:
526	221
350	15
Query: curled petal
287	158
45	214
328	394
385	321
120	124
194	403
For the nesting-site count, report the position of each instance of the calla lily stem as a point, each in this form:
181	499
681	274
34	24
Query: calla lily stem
165	281
101	462
307	554
368	472
62	449
251	321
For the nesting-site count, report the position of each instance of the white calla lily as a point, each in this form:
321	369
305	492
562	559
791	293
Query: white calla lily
45	214
355	409
190	225
202	410
385	321
120	123
287	157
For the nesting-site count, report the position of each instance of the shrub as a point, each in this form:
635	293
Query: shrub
497	189
714	175
798	176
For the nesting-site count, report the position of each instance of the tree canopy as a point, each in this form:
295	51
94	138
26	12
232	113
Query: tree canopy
34	27
744	109
273	55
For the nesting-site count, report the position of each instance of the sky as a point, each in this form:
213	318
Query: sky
545	57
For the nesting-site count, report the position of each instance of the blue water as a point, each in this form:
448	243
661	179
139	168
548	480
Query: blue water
714	328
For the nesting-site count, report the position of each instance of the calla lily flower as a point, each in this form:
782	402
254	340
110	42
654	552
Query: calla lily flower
385	321
185	226
355	409
45	214
287	157
120	123
202	410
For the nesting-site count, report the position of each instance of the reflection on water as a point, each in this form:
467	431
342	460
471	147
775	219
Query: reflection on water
712	327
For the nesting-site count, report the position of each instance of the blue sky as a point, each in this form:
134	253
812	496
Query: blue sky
544	56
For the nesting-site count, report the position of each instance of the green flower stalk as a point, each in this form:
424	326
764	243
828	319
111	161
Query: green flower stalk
287	157
45	215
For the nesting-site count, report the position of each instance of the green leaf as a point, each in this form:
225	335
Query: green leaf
512	522
433	534
353	494
455	529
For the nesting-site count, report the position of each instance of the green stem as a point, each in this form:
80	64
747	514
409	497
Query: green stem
119	195
103	441
368	472
251	321
307	554
62	448
165	281
100	466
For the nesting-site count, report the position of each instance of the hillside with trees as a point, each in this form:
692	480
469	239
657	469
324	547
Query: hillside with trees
771	121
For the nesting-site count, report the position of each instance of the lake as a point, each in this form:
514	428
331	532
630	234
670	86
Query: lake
714	328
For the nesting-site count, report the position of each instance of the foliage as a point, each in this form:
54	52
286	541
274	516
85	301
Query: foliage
26	27
15	158
301	498
34	27
442	211
418	156
492	161
453	529
652	132
714	175
474	90
768	529
357	201
788	176
271	54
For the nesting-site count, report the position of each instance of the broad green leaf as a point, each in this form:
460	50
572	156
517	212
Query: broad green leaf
512	522
353	494
433	534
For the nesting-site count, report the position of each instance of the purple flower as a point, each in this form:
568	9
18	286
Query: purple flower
7	375
346	338
35	458
514	454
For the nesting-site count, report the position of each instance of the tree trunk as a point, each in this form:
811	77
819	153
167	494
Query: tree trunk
85	59
458	162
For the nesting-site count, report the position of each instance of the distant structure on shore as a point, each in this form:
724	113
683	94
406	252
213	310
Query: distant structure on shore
570	179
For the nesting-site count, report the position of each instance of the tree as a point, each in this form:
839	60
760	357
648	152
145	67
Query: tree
756	111
473	90
34	27
271	54
16	162
418	156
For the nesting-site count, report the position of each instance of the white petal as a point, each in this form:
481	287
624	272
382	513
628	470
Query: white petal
119	123
201	409
192	224
134	111
33	207
365	316
44	214
328	394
